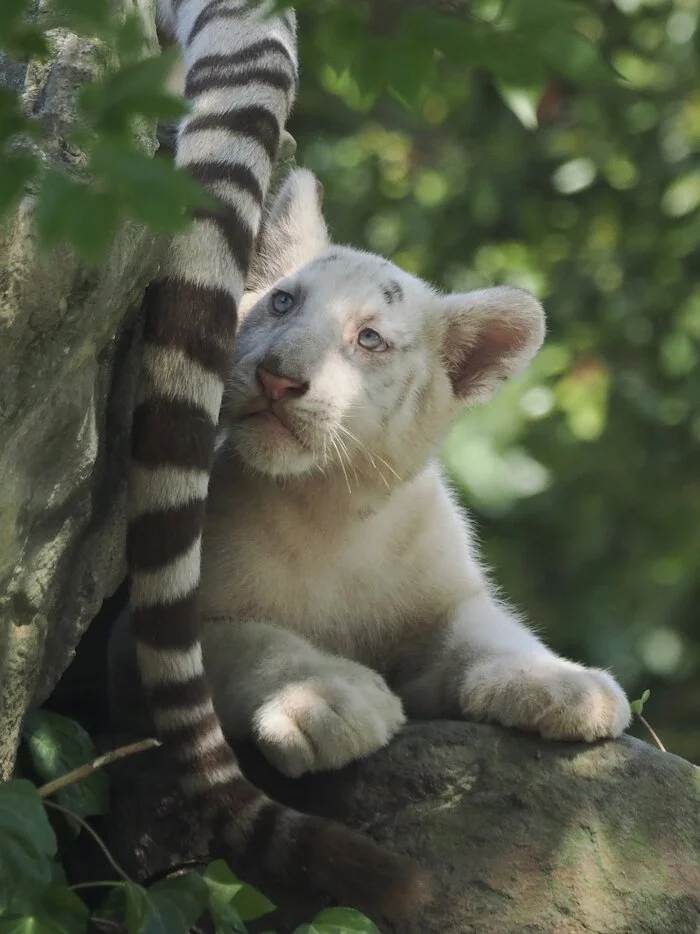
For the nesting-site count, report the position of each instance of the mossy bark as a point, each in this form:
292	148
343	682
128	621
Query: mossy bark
68	358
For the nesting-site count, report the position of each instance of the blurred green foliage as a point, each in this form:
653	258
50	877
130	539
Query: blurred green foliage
585	475
84	200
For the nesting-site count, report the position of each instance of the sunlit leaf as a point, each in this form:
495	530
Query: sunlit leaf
522	101
339	921
138	88
175	904
11	12
57	744
75	212
151	190
227	891
27	843
15	174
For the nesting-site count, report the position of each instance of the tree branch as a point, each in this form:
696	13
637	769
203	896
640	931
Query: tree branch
85	771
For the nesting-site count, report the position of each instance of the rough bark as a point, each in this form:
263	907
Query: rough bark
68	358
523	836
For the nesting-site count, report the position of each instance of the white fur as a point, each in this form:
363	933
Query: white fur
169	666
174	375
172	582
340	577
166	487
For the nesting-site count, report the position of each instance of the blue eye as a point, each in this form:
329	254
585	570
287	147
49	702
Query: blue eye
371	340
282	302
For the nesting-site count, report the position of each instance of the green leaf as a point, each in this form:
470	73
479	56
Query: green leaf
15	174
61	911
65	908
637	706
19	39
137	909
151	190
12	120
174	905
88	219
226	891
137	88
522	101
126	902
57	744
171	906
28	924
86	16
10	15
523	15
339	921
573	56
27	843
130	40
22	811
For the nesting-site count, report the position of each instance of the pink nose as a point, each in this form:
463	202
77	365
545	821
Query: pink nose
278	387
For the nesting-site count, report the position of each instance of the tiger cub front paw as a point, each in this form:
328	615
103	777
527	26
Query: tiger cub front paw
552	696
327	720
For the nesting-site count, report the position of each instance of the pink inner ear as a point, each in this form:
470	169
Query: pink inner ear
484	357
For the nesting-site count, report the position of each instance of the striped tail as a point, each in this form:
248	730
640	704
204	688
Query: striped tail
241	76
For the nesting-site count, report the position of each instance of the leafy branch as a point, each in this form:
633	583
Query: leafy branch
37	898
85	771
114	131
367	49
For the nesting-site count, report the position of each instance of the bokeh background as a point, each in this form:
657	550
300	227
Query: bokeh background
584	475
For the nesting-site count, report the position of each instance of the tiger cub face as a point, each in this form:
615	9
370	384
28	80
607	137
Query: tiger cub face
346	362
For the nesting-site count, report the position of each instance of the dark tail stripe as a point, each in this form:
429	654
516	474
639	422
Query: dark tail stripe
201	321
231	799
154	539
262	833
168	626
251	53
210	15
182	695
167	431
185	737
274	77
256	122
235	231
232	173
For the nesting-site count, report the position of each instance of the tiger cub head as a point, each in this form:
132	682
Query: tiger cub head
346	363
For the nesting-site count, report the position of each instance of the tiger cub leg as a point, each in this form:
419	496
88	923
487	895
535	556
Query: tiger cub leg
306	710
491	667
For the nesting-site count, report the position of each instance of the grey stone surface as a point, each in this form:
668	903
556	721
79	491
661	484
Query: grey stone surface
523	836
68	363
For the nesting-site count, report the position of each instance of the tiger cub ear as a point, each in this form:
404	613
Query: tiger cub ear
293	231
490	335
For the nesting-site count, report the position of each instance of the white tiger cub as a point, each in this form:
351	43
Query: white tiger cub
340	580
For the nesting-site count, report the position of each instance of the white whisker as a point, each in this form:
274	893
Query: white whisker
342	465
349	460
371	456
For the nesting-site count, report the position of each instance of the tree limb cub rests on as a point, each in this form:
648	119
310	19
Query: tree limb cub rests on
240	78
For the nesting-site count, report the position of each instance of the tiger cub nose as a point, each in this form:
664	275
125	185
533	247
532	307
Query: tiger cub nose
276	387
